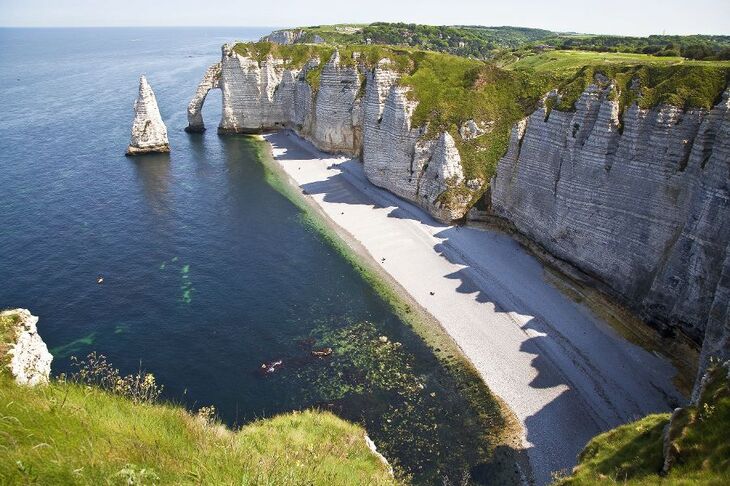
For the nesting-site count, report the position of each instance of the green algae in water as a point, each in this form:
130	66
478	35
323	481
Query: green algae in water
121	328
66	350
413	407
187	286
425	406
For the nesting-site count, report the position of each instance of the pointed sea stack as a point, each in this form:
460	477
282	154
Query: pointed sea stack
148	131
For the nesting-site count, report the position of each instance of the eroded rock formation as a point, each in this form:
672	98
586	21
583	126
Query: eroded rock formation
284	37
210	81
641	204
353	110
30	361
149	133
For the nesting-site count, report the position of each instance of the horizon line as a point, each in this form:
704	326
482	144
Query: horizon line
275	27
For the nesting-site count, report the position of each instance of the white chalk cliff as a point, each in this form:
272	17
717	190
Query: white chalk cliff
644	210
149	133
30	361
340	116
640	204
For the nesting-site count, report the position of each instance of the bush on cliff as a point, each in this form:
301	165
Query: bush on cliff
634	453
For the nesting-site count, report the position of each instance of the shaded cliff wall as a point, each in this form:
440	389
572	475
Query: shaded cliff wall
354	110
642	204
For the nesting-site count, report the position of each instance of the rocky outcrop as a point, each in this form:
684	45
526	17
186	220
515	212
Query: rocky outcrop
284	36
471	129
30	361
210	81
640	204
352	110
149	133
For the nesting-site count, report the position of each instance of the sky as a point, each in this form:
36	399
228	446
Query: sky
625	17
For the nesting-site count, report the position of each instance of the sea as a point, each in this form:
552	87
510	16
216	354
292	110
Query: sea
214	280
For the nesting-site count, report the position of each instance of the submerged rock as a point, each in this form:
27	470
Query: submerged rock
30	361
149	133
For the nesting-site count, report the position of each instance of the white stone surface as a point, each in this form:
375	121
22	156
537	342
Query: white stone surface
646	211
210	81
149	133
30	361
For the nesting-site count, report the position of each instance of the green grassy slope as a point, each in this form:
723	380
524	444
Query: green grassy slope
632	454
70	433
483	42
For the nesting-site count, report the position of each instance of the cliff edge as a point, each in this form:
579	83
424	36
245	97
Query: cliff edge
346	105
29	360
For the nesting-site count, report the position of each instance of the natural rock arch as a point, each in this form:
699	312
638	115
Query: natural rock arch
211	80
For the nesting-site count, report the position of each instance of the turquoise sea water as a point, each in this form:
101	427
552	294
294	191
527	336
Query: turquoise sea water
208	271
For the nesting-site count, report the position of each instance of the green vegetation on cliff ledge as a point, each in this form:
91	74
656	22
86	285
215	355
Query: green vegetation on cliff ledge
7	336
451	89
674	81
633	453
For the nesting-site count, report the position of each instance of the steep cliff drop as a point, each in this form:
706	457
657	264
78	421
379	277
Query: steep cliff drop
149	133
30	361
352	110
640	204
634	197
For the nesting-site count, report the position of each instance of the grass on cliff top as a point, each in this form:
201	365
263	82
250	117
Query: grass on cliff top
68	433
632	454
663	80
563	60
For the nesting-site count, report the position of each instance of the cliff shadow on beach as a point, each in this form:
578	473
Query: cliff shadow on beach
588	378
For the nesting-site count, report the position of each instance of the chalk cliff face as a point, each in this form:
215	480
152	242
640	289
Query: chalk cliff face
30	361
339	116
149	133
210	81
645	209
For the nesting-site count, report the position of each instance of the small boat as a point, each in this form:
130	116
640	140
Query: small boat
322	353
100	280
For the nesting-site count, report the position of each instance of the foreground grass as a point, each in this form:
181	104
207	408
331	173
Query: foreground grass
71	433
633	453
67	433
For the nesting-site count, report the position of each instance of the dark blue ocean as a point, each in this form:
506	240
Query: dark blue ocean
208	270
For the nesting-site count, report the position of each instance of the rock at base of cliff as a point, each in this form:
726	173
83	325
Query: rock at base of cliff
149	134
30	361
